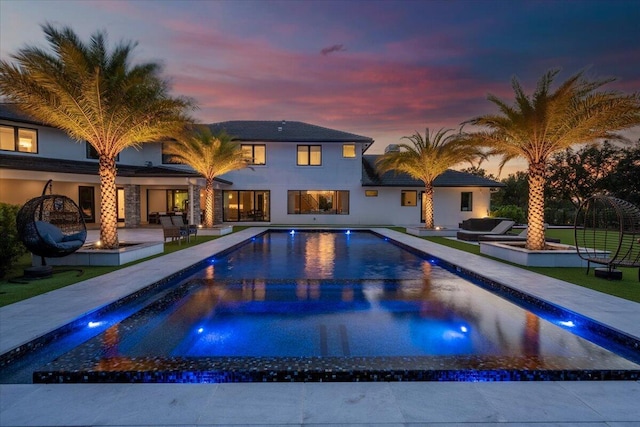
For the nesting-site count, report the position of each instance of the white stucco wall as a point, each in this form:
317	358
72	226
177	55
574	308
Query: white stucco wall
281	174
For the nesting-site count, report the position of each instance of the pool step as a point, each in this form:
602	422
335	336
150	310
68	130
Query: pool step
334	341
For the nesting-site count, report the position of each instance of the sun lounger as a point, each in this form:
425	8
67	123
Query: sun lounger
499	229
521	237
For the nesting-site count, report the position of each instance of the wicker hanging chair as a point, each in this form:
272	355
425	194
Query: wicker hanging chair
607	232
51	225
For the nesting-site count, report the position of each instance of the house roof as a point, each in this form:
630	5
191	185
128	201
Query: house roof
40	164
450	178
11	112
284	131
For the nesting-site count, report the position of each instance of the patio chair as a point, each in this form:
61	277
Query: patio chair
521	237
192	229
172	231
472	236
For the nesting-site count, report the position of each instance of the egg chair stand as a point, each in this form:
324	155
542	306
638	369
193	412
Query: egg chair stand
50	226
607	233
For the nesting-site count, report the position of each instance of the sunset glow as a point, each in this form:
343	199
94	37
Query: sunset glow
383	69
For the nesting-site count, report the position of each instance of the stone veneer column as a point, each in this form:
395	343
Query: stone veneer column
131	206
197	212
217	206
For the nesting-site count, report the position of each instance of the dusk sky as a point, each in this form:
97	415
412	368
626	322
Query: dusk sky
382	69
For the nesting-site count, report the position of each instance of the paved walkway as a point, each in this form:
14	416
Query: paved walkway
323	404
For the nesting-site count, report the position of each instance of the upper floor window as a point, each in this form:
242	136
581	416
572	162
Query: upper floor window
349	151
255	154
92	153
18	139
309	155
466	201
168	159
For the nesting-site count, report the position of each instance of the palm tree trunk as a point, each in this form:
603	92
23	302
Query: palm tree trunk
535	216
208	203
108	206
428	206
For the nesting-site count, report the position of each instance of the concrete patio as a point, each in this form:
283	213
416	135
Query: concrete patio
295	404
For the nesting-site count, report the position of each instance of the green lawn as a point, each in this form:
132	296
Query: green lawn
628	287
12	289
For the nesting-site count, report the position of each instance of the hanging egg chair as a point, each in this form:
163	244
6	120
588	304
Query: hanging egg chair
607	232
51	225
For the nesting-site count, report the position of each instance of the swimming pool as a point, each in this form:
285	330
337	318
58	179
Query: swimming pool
322	306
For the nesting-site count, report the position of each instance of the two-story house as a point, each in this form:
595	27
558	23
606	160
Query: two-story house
299	174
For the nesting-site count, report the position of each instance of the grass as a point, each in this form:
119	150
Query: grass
10	291
14	289
627	288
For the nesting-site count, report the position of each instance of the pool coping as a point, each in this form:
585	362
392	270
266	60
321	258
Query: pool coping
23	322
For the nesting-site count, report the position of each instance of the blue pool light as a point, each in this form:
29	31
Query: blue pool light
292	232
95	324
568	323
200	330
464	329
348	232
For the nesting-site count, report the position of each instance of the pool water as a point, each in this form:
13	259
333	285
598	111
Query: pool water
333	306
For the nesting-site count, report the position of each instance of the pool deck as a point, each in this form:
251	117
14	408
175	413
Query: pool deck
590	403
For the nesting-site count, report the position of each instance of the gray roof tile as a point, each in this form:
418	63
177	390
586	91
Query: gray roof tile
284	131
12	112
34	163
450	178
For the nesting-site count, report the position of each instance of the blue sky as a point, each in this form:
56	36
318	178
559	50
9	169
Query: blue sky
382	69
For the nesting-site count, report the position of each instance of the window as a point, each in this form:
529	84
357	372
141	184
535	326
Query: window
87	203
93	154
371	193
309	155
168	159
241	205
317	202
18	139
349	151
255	154
466	201
408	198
177	200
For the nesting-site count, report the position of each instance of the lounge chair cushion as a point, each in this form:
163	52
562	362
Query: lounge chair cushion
82	235
49	232
499	229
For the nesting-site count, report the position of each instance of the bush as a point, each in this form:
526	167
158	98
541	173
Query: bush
10	246
510	211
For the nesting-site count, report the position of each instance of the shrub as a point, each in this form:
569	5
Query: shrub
10	246
514	212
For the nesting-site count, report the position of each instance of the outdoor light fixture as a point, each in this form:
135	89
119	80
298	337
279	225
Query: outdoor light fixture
568	323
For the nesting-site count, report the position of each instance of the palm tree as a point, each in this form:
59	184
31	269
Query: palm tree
210	156
94	95
549	121
427	158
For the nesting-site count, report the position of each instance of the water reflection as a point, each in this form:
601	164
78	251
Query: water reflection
319	255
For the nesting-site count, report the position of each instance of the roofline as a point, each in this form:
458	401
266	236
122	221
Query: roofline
79	167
